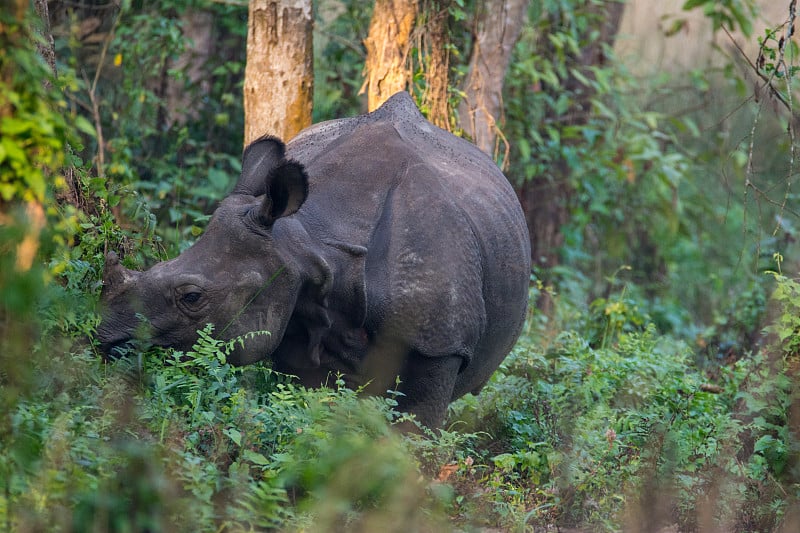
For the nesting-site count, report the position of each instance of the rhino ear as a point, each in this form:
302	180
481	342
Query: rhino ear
259	158
286	190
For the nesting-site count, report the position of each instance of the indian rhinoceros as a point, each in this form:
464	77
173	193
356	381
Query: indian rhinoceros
378	247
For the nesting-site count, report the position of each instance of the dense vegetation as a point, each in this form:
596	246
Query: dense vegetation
659	388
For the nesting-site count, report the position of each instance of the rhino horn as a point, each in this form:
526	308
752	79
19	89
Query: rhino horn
116	276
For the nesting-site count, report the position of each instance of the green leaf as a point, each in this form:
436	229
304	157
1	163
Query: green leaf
13	126
13	151
524	148
764	443
255	457
85	126
218	179
235	435
744	21
35	180
691	4
7	191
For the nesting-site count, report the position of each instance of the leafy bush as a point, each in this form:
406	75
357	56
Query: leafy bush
187	442
173	156
630	431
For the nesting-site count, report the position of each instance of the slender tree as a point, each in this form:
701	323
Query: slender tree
498	26
388	45
434	46
279	75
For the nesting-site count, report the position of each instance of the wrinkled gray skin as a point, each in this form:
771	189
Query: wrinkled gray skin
374	246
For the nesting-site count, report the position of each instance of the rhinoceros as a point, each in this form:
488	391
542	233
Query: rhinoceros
378	248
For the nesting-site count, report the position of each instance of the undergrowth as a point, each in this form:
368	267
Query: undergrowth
619	432
601	419
172	441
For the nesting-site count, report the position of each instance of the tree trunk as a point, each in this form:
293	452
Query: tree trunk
547	199
498	27
435	52
198	27
71	192
388	44
279	75
46	47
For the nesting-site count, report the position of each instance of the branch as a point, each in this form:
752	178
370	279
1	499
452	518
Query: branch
92	92
768	80
98	126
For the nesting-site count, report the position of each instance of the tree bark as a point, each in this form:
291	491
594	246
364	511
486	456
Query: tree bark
436	58
47	47
388	44
279	74
498	27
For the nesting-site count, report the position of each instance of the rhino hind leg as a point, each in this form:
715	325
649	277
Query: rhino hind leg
427	385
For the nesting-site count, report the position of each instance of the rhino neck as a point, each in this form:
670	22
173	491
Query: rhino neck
328	318
331	270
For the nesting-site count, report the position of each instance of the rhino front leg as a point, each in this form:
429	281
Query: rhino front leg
427	385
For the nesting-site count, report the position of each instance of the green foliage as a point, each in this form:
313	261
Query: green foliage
729	14
598	420
777	56
36	130
34	134
187	442
786	327
129	72
576	128
631	432
339	54
33	126
643	176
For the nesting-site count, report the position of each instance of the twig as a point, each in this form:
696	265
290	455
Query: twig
95	106
786	102
98	126
766	79
782	60
341	40
765	195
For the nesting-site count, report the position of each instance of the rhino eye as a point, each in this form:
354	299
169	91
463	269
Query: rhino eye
190	297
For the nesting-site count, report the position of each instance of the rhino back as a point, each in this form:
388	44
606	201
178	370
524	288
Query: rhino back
448	258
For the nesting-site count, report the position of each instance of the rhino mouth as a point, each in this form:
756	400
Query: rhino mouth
116	340
120	336
117	347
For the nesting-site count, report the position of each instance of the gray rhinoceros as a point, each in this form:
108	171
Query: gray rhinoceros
377	247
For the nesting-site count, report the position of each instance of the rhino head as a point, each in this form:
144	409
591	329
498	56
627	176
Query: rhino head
244	274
